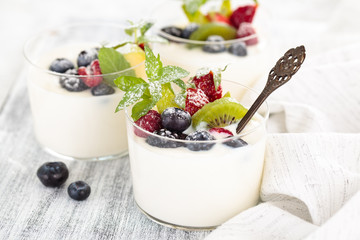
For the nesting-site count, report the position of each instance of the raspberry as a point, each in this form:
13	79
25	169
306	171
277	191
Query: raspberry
206	83
93	69
220	133
244	30
150	122
195	99
243	14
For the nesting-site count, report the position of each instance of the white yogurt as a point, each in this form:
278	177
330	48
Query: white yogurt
197	189
74	124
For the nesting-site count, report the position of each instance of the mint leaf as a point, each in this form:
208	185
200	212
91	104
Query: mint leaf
172	73
111	61
131	96
180	83
217	78
190	84
180	99
144	27
126	82
192	6
141	108
153	65
155	91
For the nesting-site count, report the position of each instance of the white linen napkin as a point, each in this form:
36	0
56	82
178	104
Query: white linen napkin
308	178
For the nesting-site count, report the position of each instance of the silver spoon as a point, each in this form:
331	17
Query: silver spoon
280	74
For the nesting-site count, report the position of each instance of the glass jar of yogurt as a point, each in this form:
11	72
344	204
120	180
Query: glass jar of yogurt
199	184
246	65
72	120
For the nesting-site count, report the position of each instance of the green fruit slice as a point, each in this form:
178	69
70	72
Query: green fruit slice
168	98
208	29
220	113
227	94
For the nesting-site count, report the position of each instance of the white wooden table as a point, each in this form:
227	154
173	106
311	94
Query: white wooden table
28	210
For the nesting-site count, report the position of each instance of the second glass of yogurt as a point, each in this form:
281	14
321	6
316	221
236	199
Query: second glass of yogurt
218	44
199	184
71	119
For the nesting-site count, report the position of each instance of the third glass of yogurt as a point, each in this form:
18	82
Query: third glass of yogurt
199	184
220	42
71	119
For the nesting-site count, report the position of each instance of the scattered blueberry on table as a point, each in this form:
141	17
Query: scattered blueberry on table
53	174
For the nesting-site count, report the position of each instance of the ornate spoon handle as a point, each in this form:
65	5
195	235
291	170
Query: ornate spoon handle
280	74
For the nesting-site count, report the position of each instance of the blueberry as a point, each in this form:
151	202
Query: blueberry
175	119
189	29
53	174
72	83
173	31
200	136
238	49
85	57
61	65
212	47
79	190
102	89
164	143
235	143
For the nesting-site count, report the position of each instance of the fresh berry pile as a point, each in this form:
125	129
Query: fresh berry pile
216	27
86	76
204	104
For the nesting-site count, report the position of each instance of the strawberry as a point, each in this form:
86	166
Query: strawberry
243	14
150	122
245	30
206	83
218	17
195	100
220	133
88	72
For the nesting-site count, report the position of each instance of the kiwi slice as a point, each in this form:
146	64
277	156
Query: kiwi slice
227	94
208	29
220	113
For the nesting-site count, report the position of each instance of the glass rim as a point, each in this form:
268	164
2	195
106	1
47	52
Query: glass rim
242	134
68	26
199	42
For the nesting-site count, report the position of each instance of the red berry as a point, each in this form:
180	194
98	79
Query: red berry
245	30
195	99
82	71
220	133
243	14
142	46
206	83
218	17
93	69
150	122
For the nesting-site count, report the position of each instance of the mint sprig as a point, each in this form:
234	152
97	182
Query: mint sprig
144	95
137	30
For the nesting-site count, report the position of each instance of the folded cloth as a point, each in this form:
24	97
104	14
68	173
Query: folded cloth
307	180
